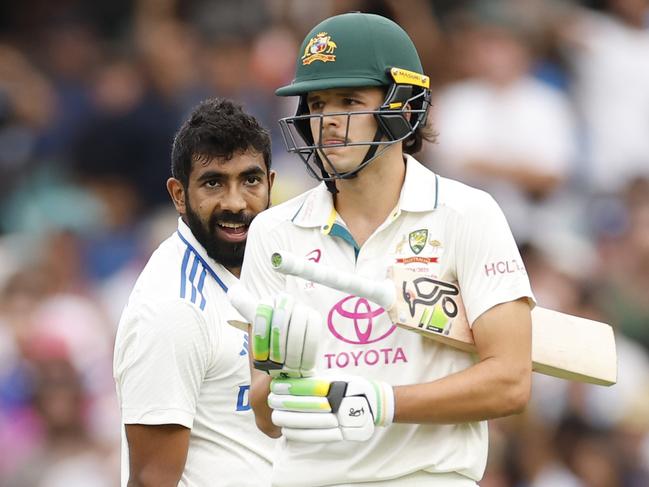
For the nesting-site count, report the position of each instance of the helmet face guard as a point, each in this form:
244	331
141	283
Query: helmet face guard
403	111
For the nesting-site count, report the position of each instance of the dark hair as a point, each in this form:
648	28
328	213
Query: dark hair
415	141
216	128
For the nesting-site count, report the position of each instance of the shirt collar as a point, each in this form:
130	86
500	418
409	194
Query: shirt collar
317	209
420	187
218	272
418	193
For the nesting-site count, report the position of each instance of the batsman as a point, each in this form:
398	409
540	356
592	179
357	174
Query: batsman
355	399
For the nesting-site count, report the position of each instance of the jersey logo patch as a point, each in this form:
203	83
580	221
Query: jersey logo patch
314	255
319	48
417	240
355	320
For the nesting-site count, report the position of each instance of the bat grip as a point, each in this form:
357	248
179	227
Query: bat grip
243	301
379	292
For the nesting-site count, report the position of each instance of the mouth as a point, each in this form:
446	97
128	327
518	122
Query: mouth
232	232
333	142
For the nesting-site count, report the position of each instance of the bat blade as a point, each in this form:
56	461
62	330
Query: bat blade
574	348
563	346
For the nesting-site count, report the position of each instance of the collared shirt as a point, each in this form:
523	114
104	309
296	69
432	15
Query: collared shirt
177	361
463	238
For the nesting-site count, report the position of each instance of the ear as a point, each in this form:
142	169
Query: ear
271	179
177	193
408	115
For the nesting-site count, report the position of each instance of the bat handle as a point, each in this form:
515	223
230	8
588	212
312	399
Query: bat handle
242	301
379	292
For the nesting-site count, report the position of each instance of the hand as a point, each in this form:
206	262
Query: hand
285	337
316	410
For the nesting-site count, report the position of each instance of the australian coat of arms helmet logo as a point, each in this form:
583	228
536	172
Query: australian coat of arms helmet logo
319	48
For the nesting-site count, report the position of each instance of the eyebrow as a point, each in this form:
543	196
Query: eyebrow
213	174
253	171
345	92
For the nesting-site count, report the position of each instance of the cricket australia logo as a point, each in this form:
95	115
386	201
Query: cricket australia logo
417	240
429	292
319	48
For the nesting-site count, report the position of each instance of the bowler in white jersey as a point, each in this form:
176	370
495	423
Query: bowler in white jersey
183	373
420	407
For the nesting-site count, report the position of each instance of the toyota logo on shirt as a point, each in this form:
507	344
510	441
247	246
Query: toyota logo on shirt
356	320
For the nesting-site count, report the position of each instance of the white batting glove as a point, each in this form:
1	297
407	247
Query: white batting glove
326	409
285	337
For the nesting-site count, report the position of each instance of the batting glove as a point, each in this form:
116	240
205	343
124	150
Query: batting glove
285	337
326	409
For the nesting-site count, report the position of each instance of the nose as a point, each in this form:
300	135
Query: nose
331	120
329	124
233	199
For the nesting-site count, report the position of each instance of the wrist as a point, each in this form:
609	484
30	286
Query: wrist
384	415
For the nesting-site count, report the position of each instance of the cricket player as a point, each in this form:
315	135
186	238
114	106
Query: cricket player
183	373
382	406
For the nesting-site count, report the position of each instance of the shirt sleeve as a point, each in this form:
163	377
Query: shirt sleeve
257	275
489	267
162	354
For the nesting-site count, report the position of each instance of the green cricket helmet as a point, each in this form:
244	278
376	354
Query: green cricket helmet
357	50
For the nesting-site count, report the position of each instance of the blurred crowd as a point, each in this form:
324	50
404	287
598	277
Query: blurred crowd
544	103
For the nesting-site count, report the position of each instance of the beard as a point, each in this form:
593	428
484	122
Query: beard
228	254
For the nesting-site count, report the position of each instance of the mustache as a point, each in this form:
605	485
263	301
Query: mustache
226	216
342	140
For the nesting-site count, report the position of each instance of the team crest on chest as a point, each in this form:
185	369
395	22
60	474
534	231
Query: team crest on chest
418	248
417	240
319	48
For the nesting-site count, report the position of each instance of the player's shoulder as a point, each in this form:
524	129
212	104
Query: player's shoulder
463	199
172	275
161	268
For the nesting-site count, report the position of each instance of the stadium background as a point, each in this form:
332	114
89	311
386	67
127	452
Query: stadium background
544	103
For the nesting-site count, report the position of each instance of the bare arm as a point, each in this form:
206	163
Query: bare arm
157	454
259	390
498	385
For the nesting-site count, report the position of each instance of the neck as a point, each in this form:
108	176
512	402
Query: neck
365	201
235	271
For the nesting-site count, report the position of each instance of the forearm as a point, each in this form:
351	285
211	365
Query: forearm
151	481
259	390
498	385
157	454
489	389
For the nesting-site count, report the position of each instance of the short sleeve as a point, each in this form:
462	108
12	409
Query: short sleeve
162	353
489	267
257	275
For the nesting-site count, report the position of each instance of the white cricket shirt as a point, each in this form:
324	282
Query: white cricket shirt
464	237
177	361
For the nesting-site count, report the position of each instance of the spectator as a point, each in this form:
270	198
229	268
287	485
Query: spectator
499	128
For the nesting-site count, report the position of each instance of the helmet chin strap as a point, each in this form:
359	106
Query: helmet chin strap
369	156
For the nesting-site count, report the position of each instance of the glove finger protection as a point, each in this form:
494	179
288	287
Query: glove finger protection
285	337
321	409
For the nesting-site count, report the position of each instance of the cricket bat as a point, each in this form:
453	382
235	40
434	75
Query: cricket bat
564	346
